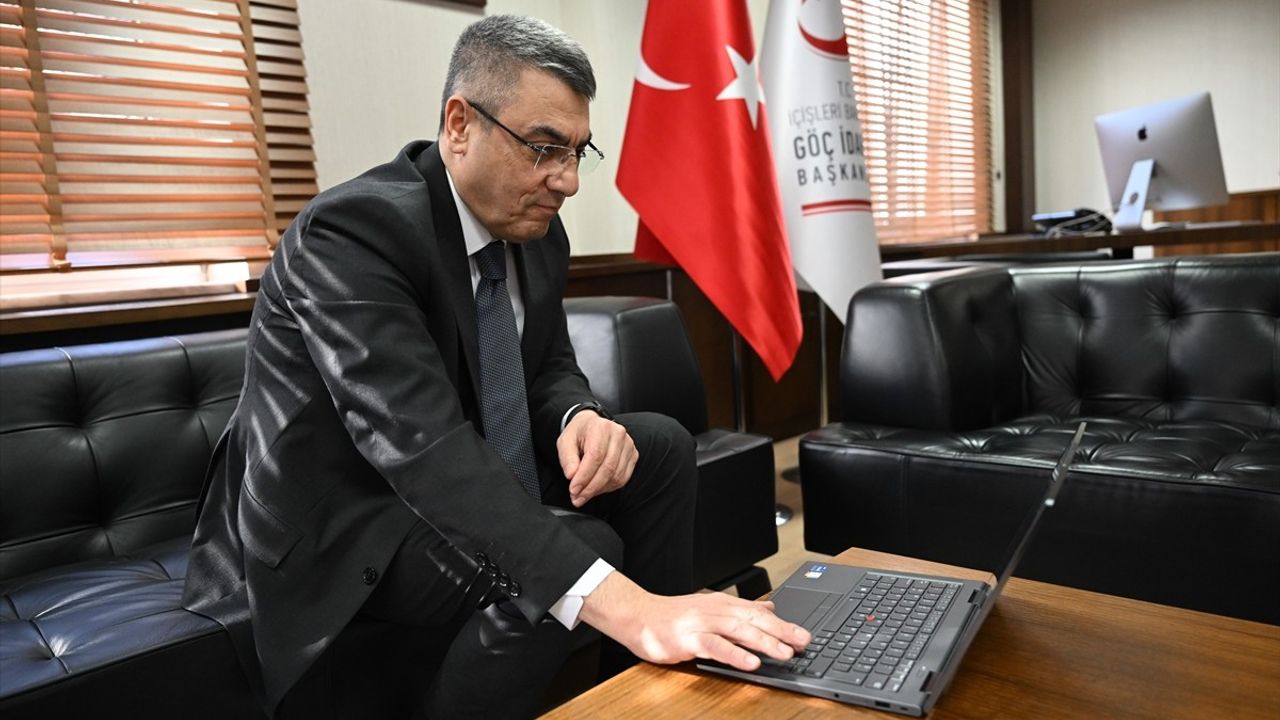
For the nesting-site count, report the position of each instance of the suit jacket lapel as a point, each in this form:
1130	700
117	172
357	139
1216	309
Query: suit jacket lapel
533	281
456	273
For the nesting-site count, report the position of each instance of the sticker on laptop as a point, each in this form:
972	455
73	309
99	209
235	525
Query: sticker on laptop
815	571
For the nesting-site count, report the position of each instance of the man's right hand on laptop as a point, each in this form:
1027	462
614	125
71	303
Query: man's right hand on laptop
711	626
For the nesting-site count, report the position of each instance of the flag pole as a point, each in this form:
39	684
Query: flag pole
739	400
781	513
822	364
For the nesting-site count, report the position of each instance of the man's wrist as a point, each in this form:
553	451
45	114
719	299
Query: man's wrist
613	601
591	405
568	607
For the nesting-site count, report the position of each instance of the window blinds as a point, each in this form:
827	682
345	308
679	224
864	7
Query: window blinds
139	132
920	71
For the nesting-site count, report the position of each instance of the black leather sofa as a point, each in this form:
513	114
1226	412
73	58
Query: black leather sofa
102	453
960	389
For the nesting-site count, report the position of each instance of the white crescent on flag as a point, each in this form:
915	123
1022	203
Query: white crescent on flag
646	76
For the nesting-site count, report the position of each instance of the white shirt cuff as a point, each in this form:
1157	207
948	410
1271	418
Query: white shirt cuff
567	608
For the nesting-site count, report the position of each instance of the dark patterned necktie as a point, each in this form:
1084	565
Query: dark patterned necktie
504	406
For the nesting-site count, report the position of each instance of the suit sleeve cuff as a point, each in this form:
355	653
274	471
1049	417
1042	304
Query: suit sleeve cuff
569	606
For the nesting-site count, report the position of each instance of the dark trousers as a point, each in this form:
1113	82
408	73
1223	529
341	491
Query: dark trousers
498	665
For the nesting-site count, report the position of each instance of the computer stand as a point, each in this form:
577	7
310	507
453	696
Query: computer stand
1133	202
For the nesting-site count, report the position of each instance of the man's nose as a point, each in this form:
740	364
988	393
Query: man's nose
565	181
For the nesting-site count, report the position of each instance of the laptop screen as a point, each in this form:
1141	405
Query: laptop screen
1025	533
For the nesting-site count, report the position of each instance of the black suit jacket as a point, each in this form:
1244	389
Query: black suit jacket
359	416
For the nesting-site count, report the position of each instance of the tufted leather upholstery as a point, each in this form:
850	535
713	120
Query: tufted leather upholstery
81	468
961	388
103	450
102	454
636	354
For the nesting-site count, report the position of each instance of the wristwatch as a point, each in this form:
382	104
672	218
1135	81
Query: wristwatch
595	406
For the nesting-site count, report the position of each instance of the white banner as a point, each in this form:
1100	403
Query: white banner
817	148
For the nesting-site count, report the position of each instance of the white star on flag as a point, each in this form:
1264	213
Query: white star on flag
744	87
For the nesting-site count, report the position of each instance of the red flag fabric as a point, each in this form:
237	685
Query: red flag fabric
696	166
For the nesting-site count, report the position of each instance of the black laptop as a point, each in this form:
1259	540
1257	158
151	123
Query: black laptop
886	639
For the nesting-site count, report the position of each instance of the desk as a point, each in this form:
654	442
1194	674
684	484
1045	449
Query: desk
1201	234
1045	652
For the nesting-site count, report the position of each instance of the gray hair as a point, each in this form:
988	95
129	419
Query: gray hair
490	54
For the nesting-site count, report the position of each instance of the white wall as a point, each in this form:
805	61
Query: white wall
376	68
1098	56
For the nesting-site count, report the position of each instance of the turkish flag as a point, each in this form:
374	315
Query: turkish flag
696	166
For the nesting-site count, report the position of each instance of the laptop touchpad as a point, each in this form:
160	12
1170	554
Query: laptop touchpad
796	605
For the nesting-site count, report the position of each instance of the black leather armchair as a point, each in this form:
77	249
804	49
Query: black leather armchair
960	389
636	354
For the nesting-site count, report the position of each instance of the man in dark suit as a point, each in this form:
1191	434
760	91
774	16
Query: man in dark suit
387	457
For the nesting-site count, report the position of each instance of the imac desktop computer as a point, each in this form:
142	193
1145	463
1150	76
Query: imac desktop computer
1162	156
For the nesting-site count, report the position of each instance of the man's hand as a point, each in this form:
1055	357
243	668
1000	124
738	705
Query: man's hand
712	626
597	456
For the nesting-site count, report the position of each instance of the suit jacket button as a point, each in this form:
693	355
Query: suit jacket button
369	576
513	589
503	580
482	559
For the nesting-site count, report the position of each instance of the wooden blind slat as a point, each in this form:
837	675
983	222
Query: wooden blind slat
147	121
278	51
274	33
303	170
283	86
90	98
152	141
107	60
286	119
279	16
70	178
51	15
288	103
109	80
289	4
155	160
159	8
108	40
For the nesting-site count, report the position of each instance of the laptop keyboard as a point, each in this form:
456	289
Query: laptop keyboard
875	635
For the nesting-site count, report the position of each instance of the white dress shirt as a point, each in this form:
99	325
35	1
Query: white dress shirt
568	607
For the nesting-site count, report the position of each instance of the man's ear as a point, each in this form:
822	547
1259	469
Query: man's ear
457	124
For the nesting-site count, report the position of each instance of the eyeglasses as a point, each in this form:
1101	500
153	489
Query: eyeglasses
559	156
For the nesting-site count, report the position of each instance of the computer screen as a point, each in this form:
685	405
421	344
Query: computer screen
1162	156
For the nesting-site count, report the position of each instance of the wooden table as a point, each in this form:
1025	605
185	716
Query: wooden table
1196	234
1045	652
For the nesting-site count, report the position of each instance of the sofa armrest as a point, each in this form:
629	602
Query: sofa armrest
938	351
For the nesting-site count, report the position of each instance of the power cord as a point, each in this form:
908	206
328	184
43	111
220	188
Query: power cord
1093	222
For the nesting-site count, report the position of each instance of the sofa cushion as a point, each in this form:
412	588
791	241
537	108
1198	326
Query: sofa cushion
84	619
1147	503
75	618
1151	339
